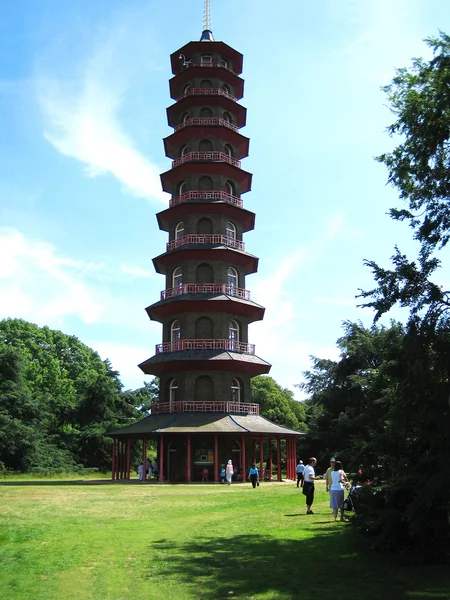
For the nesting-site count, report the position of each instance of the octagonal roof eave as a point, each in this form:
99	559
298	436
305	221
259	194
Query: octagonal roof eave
204	422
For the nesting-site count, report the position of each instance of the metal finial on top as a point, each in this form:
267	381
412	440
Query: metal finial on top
207	16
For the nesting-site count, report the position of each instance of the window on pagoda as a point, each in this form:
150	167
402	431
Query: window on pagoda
181	188
229	188
231	231
186	88
206	59
185	116
183	150
175	331
205	183
205	146
227	117
235	390
226	88
205	112
224	63
232	278
228	150
173	391
177	277
233	331
179	230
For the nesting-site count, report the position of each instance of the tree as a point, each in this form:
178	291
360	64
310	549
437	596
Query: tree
419	167
276	403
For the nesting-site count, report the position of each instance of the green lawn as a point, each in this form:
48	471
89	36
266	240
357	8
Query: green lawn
110	541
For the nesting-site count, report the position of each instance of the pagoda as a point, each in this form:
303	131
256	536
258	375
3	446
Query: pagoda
204	416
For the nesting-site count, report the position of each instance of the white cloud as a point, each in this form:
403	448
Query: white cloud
82	122
124	358
38	284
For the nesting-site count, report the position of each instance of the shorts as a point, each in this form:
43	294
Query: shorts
308	491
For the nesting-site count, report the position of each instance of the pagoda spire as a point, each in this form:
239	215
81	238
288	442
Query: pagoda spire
207	35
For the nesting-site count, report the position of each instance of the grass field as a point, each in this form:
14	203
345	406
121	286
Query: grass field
112	541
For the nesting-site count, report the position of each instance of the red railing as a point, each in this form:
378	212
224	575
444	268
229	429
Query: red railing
214	156
205	288
206	195
206	121
211	64
206	92
232	345
197	406
208	238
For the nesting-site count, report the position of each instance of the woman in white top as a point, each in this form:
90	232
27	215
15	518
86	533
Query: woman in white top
338	481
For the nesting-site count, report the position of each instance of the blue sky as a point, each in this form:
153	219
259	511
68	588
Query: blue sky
83	93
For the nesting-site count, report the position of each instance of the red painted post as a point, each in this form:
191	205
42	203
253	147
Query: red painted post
120	459
144	459
188	470
254	451
161	457
216	458
270	459
261	456
278	459
244	468
128	458
113	461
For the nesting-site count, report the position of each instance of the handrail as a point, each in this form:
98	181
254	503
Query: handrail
206	195
206	121
205	288
211	64
214	156
159	408
215	344
206	92
207	238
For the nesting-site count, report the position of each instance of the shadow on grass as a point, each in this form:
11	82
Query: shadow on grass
56	482
327	566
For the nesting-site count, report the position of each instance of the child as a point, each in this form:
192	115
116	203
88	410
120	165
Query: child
253	475
222	474
205	474
229	472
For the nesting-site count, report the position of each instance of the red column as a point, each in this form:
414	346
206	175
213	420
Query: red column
278	459
188	466
144	458
270	459
113	460
254	451
261	456
216	459
244	468
128	458
161	457
120	458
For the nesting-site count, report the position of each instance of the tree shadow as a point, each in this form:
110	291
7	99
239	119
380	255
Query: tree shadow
324	567
56	482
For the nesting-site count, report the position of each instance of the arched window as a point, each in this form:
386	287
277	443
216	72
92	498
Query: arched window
173	391
177	277
233	331
205	112
232	277
204	226
185	116
228	150
184	150
175	331
226	88
181	188
235	390
227	117
231	230
205	146
179	230
229	188
186	88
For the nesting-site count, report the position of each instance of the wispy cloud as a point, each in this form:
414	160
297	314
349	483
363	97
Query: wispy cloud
81	114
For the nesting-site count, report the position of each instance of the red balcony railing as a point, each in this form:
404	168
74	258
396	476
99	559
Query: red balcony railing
206	92
214	156
211	64
205	122
232	345
197	406
208	238
206	195
205	288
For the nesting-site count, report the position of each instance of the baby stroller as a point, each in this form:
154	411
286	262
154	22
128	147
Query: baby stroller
349	502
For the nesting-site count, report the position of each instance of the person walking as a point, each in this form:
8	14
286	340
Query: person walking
300	468
309	476
140	470
229	472
253	475
338	482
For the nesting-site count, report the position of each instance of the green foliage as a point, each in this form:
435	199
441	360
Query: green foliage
57	398
419	98
276	403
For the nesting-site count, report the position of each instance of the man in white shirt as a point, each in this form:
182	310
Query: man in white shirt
309	476
300	468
